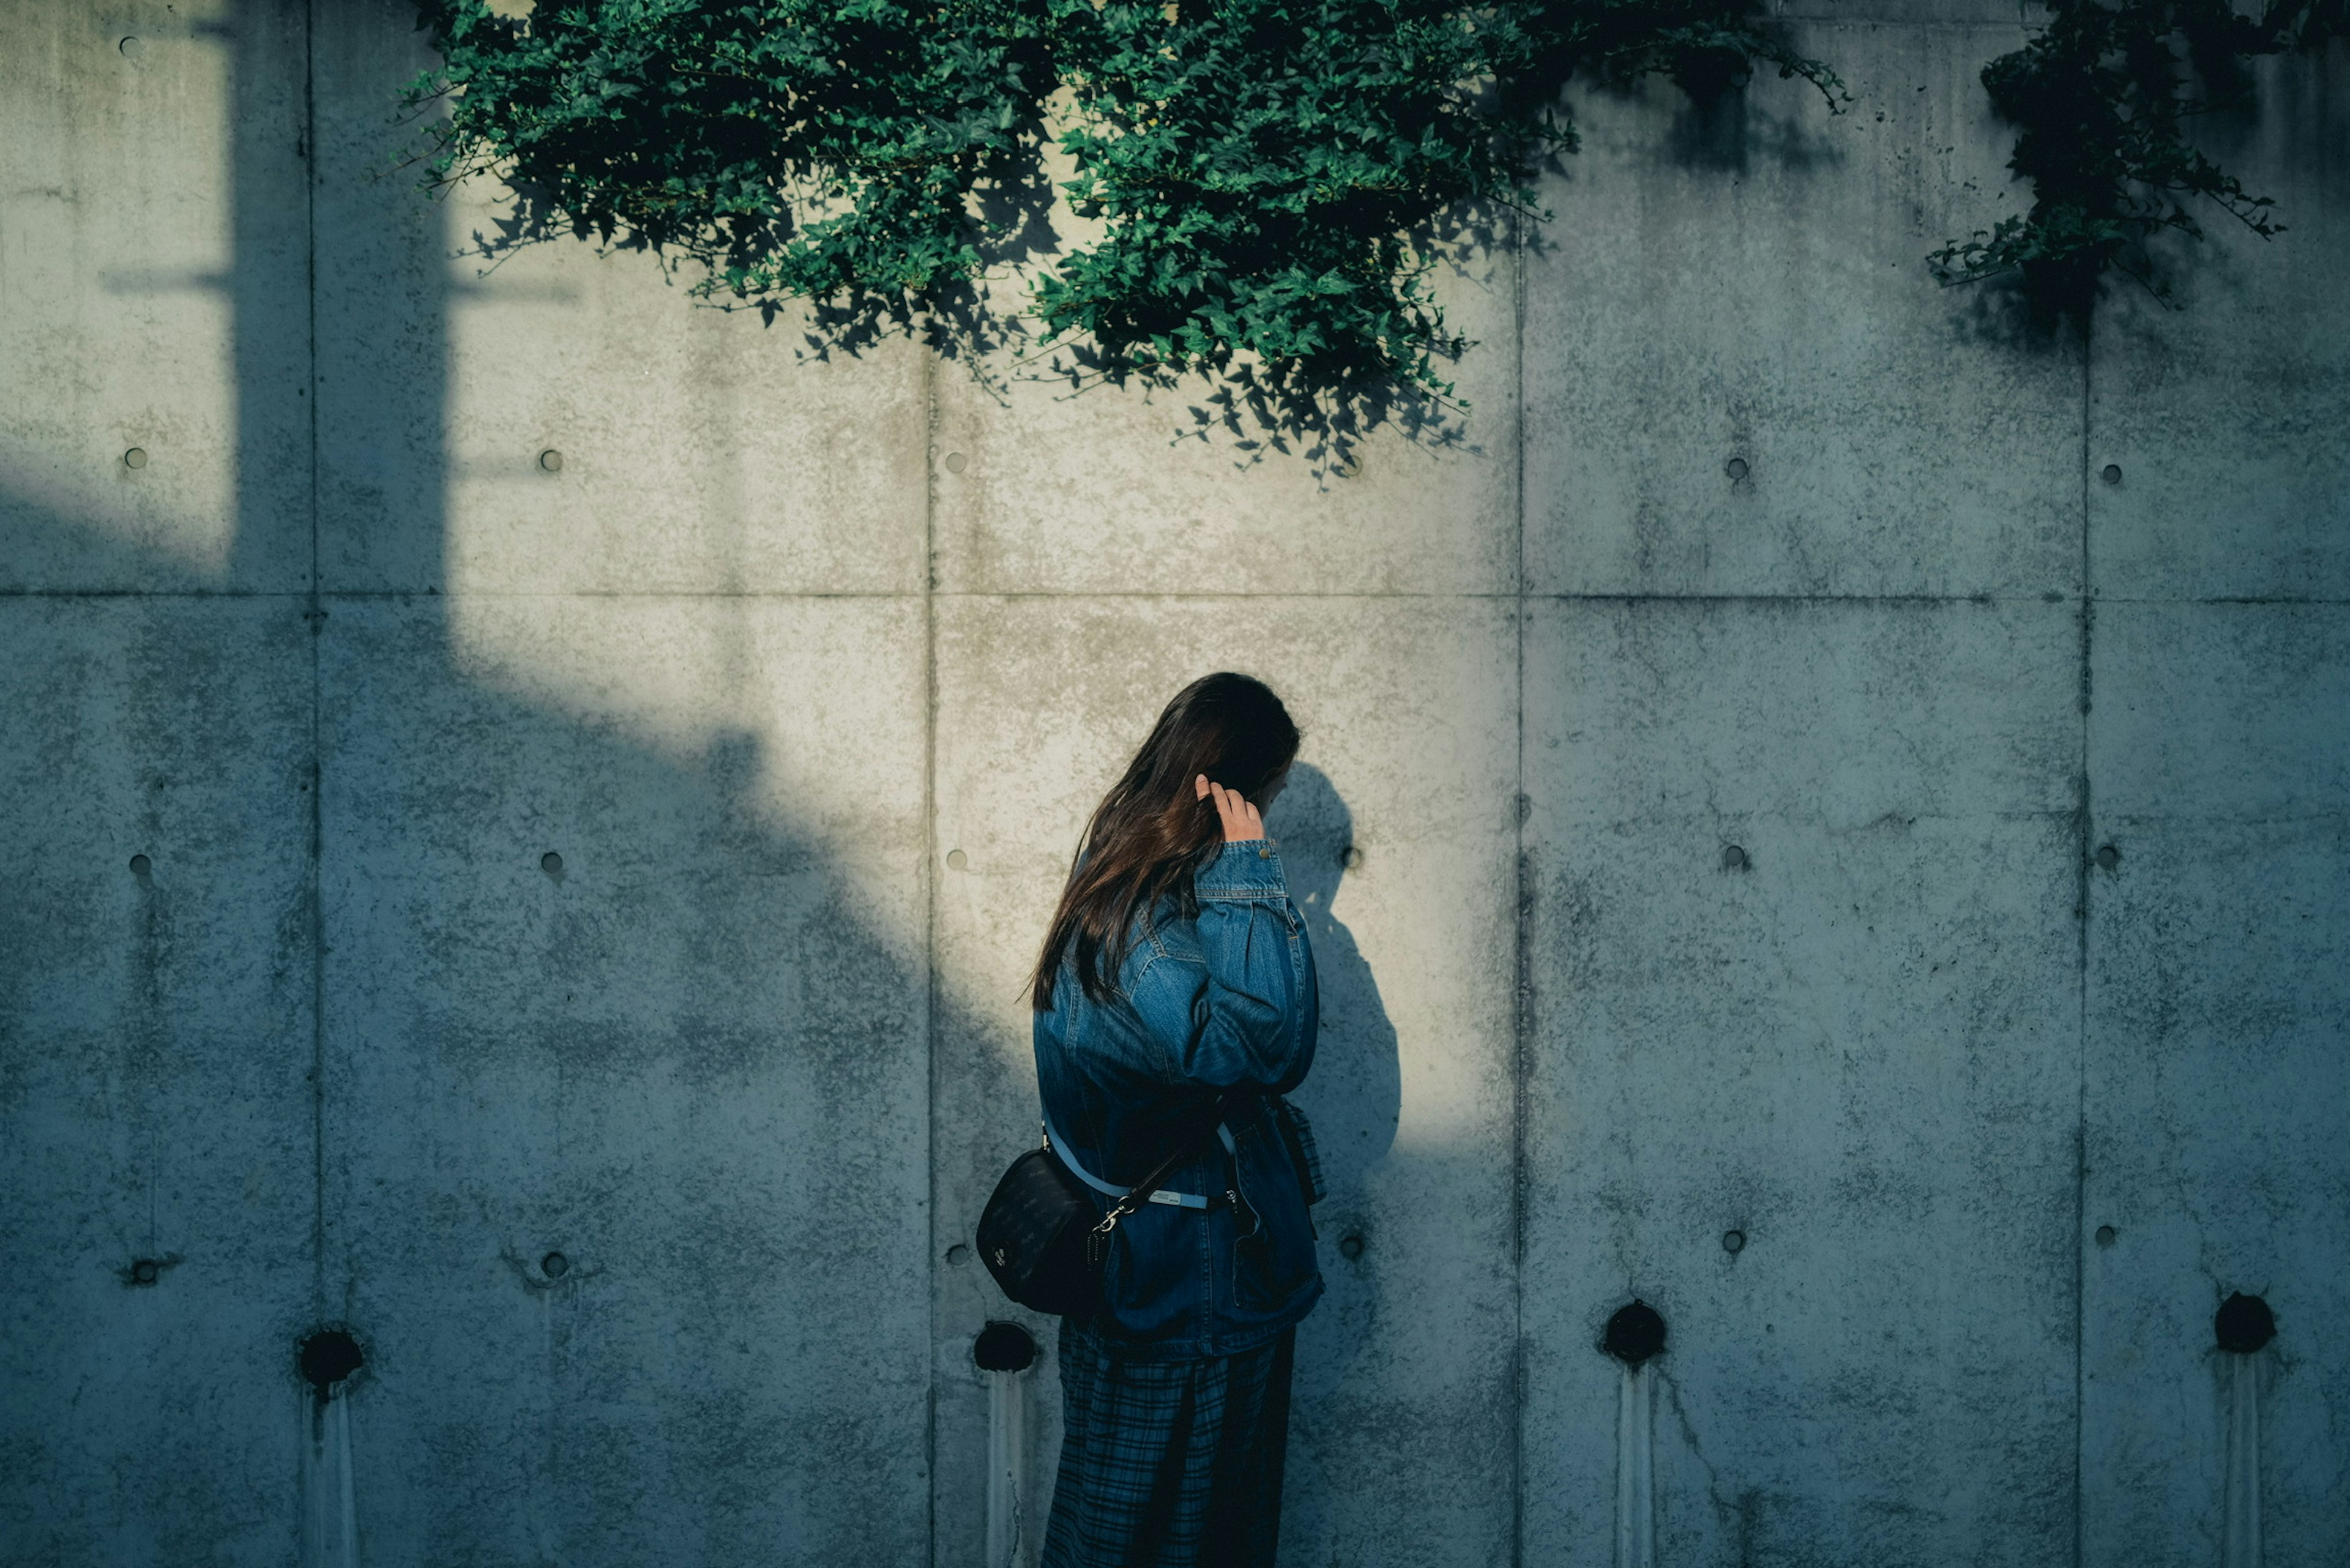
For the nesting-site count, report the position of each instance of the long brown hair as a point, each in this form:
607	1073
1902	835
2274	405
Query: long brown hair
1151	832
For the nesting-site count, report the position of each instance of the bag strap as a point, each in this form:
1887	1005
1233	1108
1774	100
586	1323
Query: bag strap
1141	1192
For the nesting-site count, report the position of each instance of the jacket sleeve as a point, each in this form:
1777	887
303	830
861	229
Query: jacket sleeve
1251	1023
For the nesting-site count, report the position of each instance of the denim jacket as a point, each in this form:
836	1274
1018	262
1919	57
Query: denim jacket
1224	1001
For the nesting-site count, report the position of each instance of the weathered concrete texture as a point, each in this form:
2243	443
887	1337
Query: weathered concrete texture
1038	490
1402	1431
1745	282
2218	1002
690	1055
2224	417
544	419
155	1046
151	242
808	670
1854	1049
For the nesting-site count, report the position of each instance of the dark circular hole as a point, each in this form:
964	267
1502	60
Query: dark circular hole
328	1356
555	1265
140	866
145	1272
2244	1323
1635	1333
1733	1240
958	1254
551	862
135	458
1350	1247
1004	1347
2106	1234
1733	858
2112	473
1350	857
2108	857
551	461
1735	468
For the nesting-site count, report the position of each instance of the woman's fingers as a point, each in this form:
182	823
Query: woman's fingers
1242	821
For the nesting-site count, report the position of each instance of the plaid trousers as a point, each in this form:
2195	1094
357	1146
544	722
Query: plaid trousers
1168	1464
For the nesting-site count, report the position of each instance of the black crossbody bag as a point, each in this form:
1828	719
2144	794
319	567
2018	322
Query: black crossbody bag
1038	1234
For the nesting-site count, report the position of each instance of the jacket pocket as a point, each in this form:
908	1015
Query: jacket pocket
1272	1265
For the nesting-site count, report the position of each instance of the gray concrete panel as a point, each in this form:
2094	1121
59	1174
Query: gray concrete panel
1856	1047
382	274
1746	283
155	1102
2216	464
1041	489
690	1057
1401	1440
2218	1006
152	234
696	450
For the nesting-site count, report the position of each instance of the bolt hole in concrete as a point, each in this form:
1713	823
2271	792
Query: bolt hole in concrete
131	49
1004	1347
958	1254
1733	1241
1350	857
1350	1247
2105	1235
957	462
1635	1333
2108	857
555	1265
145	1271
2112	473
135	458
1735	468
957	860
551	461
140	866
328	1356
551	862
1733	858
2244	1324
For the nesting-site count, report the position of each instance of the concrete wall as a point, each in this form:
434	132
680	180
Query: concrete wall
574	939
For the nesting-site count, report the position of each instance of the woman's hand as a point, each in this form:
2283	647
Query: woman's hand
1242	821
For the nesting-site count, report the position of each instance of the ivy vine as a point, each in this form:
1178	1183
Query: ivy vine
2103	97
1275	179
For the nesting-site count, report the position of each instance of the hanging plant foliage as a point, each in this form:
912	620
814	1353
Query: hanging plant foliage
793	148
1275	177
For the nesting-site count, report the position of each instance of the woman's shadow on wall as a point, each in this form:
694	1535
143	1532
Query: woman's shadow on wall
1354	1093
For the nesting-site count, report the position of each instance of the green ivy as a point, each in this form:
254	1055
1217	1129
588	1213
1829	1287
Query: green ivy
793	148
1275	178
2103	96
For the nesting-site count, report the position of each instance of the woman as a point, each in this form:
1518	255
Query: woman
1174	1005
